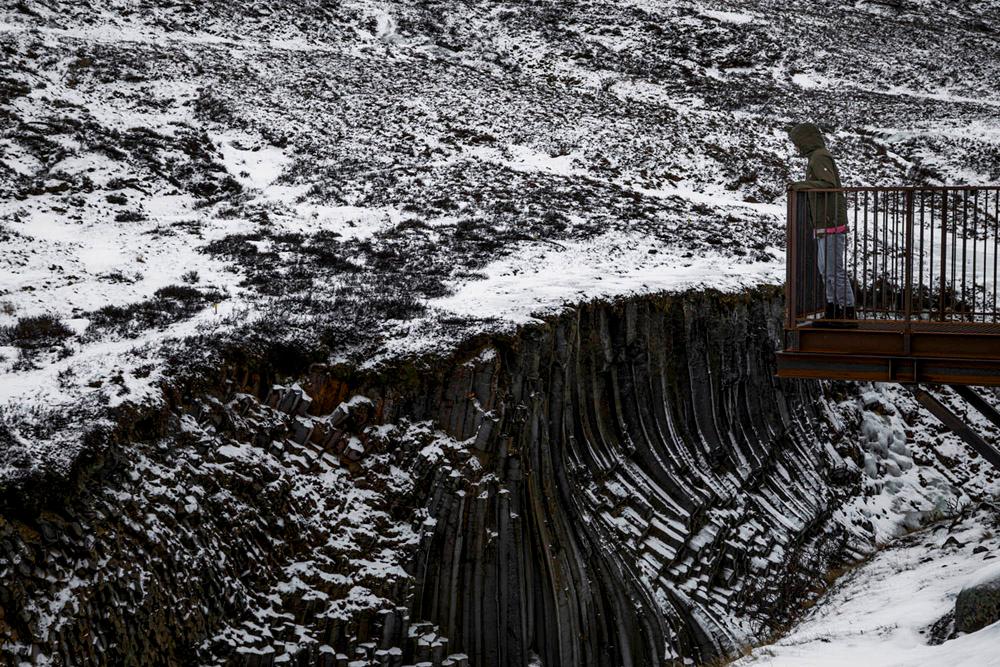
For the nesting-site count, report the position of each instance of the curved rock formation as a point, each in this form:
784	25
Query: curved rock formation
626	484
648	491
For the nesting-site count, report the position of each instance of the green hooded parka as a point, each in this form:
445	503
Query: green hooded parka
826	209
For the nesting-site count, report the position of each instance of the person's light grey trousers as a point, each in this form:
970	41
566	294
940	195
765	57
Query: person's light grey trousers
830	258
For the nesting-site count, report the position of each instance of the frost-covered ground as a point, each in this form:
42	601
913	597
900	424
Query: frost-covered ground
372	179
883	614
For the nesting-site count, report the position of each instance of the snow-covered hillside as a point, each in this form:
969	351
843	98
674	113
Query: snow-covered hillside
887	612
364	179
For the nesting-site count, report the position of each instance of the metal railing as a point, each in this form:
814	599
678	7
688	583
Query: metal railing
910	255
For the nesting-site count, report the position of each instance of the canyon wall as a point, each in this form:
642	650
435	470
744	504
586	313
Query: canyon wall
624	484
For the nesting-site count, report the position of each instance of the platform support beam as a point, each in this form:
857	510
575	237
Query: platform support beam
956	425
972	397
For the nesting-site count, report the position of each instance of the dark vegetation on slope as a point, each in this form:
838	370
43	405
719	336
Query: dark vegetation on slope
398	116
35	332
169	304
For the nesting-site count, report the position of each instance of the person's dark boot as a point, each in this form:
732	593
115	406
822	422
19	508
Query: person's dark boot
829	313
845	318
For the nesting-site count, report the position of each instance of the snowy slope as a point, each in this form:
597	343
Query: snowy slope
883	613
429	170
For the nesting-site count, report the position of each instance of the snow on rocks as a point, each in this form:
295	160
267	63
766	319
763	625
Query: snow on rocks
883	613
978	603
372	180
257	521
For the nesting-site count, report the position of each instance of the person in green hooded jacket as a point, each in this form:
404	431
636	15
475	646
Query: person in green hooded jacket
827	214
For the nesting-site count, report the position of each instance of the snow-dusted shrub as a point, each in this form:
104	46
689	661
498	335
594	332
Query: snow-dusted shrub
32	333
170	304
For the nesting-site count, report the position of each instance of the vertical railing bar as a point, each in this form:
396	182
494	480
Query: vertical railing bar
887	249
986	250
930	265
807	235
880	243
965	240
890	243
986	254
824	224
908	256
809	293
996	236
802	220
816	276
800	276
814	269
803	276
898	258
854	233
802	215
875	257
954	253
838	274
790	308
902	248
892	252
826	253
975	251
864	267
920	297
944	250
830	250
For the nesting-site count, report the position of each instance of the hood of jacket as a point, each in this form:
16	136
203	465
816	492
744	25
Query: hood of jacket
807	138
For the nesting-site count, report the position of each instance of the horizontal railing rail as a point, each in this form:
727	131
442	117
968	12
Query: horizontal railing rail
923	256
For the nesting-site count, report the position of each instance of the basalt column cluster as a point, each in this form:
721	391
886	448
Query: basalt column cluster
648	491
623	484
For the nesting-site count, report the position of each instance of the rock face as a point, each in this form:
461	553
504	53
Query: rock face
978	606
648	492
626	484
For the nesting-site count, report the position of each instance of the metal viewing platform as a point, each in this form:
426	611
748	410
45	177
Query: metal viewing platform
921	266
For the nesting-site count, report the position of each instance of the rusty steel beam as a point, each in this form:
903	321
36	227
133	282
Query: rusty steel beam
885	368
956	425
907	188
923	343
978	402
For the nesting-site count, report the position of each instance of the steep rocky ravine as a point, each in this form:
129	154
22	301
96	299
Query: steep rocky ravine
624	484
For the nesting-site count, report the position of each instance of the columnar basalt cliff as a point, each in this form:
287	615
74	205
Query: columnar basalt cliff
626	484
647	492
